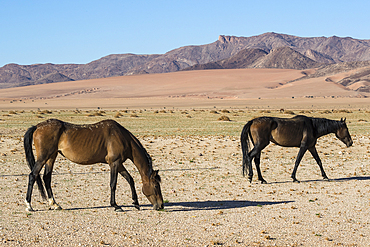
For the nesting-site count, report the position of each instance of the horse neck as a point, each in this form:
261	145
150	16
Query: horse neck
141	160
325	126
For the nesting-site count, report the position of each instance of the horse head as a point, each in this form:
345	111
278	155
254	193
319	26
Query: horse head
152	190
343	134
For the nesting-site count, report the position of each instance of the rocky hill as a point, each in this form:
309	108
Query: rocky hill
282	58
259	51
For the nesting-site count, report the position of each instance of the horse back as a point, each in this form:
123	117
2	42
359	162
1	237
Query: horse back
291	132
102	142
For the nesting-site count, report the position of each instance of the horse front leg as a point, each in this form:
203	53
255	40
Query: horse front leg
122	170
301	152
113	185
315	155
47	180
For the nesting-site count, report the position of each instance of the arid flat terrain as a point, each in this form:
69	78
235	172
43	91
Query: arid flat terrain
207	200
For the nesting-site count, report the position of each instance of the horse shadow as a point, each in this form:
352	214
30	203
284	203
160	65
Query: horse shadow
324	180
217	205
189	206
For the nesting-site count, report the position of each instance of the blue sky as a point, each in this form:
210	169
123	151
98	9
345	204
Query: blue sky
81	31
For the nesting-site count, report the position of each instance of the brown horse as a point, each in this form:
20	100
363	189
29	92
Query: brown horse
102	142
299	131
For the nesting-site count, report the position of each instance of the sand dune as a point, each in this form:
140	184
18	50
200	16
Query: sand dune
178	88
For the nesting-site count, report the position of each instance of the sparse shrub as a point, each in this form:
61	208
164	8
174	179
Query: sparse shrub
96	114
134	115
45	112
12	112
342	111
326	112
223	118
118	115
162	111
225	111
214	112
289	112
265	111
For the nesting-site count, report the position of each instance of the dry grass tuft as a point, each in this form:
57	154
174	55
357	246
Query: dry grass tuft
265	111
289	112
224	118
118	115
96	114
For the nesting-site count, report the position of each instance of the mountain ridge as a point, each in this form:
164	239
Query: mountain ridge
323	50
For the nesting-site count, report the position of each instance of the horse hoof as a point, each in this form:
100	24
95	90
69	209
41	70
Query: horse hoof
30	210
136	206
56	208
296	181
263	182
118	210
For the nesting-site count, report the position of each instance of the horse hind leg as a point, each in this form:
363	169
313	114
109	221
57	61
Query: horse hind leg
257	161
255	153
47	180
122	170
32	178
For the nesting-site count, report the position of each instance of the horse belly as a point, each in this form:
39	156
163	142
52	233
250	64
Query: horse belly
83	158
82	151
286	137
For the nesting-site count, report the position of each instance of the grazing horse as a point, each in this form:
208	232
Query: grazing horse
299	131
103	142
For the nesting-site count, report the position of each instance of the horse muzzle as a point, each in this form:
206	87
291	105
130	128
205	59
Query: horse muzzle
349	144
158	206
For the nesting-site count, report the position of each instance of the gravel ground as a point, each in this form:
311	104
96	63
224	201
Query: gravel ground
207	200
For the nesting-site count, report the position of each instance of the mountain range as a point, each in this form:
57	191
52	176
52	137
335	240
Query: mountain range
268	50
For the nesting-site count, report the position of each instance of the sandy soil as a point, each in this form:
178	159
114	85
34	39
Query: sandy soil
208	201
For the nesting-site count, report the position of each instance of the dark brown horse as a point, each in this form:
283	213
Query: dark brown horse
102	142
299	131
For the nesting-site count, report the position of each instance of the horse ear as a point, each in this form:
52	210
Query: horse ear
155	176
343	120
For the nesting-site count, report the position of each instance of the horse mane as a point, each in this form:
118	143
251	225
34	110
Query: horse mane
150	161
324	125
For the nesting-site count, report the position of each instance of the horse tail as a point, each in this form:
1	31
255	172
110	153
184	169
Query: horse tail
244	140
28	138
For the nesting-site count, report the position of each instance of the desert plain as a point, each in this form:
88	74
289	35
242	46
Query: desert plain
177	117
